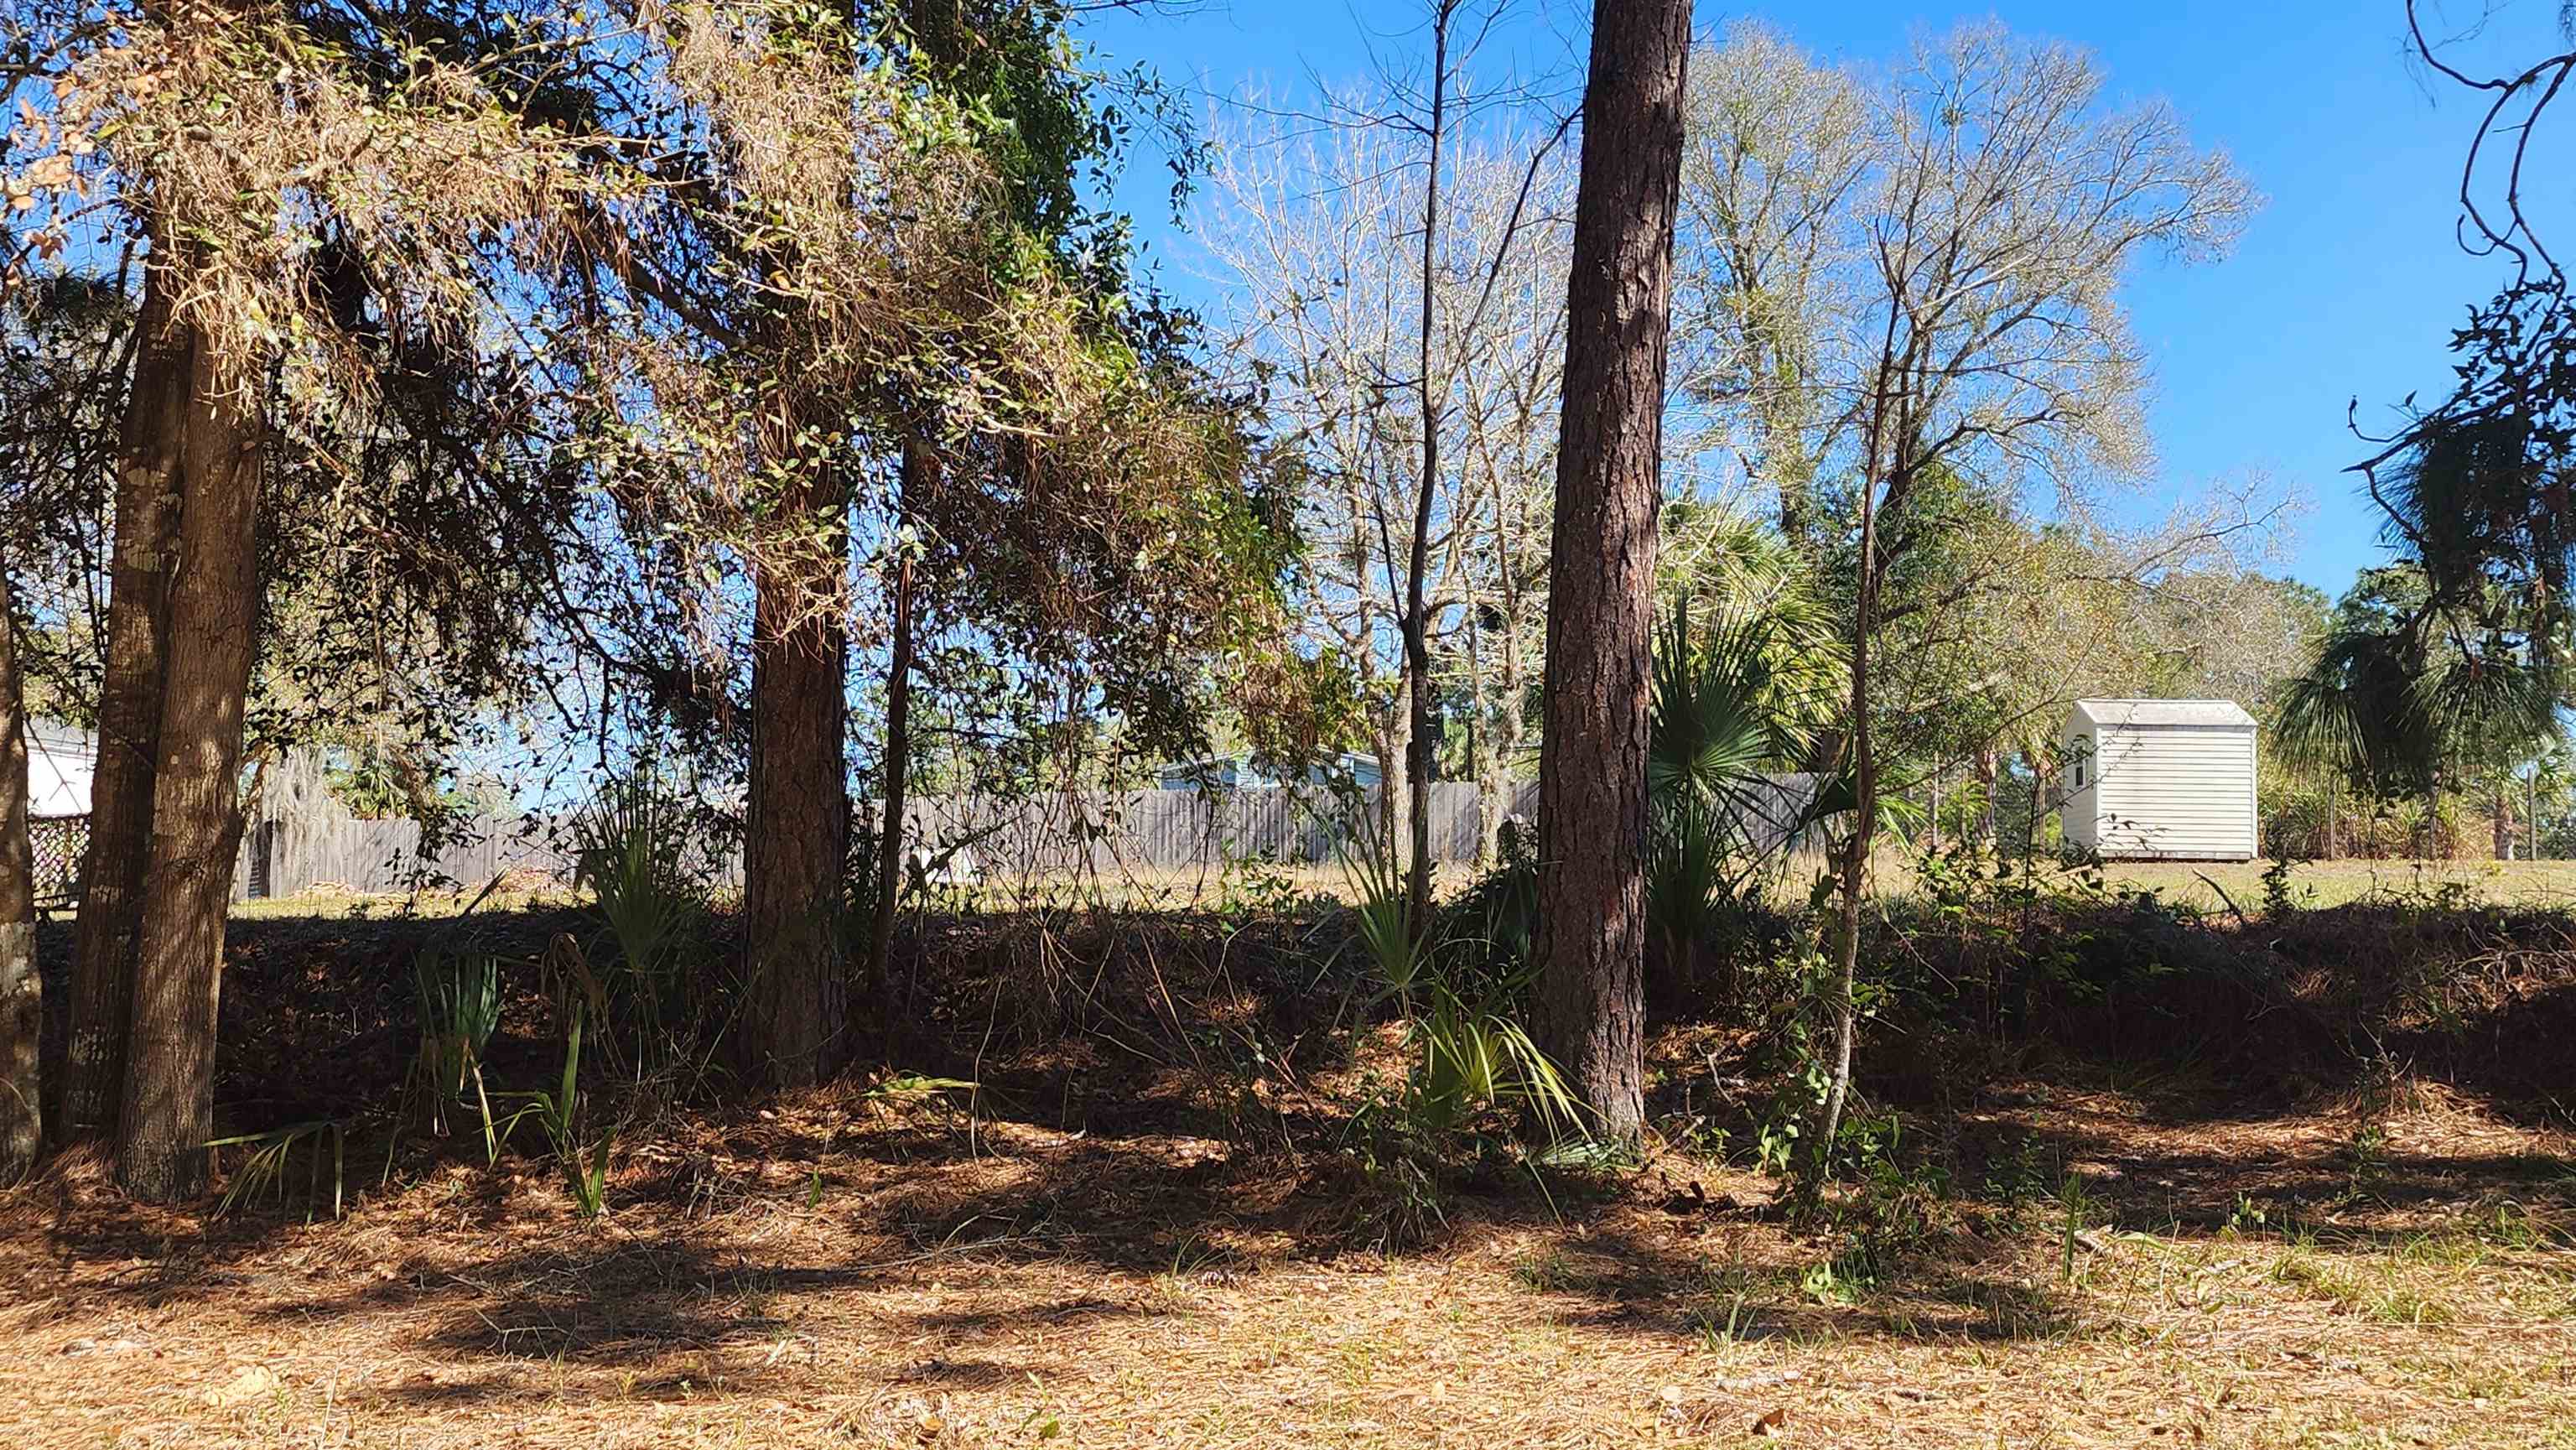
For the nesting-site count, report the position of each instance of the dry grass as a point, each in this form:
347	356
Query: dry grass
1138	1232
832	1271
2315	883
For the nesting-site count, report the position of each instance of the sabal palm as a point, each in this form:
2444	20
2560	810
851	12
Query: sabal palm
2396	716
1728	707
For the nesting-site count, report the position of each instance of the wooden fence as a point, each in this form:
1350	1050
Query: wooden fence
1137	834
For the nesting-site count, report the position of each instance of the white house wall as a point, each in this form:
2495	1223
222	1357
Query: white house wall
59	767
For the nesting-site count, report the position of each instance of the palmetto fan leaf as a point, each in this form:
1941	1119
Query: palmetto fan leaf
2375	708
1727	708
2480	504
1710	732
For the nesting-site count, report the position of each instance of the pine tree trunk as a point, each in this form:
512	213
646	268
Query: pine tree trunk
21	997
214	605
1600	618
797	846
148	486
897	773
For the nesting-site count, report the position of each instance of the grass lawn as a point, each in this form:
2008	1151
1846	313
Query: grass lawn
2333	883
2313	883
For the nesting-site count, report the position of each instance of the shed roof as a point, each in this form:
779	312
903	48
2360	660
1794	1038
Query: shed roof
2162	712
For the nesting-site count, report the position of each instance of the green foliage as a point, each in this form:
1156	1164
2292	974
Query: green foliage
265	1168
1471	1052
458	1002
1732	704
1492	927
2281	894
2410	687
559	1112
632	852
1459	992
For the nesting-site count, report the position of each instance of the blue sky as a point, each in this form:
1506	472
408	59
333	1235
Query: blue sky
2346	285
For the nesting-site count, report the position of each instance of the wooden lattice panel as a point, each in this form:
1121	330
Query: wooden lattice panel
61	845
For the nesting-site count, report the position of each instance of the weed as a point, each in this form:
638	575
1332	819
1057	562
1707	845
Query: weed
1843	1279
2366	1160
631	853
2075	1201
2247	1217
1715	1333
265	1168
1553	1272
2281	894
459	1004
585	1172
2019	1179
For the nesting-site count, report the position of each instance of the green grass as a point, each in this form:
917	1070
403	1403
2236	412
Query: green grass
2337	883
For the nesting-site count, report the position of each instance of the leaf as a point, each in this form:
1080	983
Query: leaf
1772	1422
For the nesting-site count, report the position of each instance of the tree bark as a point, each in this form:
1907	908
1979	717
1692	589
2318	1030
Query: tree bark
797	846
214	605
21	997
1417	614
148	487
1600	617
1851	867
897	771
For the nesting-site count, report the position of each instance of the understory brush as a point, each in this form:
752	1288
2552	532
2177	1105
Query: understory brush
2045	952
1394	1074
1475	1083
576	1033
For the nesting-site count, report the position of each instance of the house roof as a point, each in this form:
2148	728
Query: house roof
2161	712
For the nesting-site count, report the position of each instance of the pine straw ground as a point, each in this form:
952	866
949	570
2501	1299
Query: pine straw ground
836	1271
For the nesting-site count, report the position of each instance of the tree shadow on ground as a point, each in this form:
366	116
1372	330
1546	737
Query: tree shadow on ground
1104	1165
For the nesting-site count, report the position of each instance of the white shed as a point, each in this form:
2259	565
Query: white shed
2160	779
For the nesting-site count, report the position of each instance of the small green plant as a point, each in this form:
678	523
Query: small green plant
558	1113
2075	1201
2366	1159
459	1004
1843	1279
1726	1317
1253	888
1718	1333
1472	1053
631	854
2247	1217
2281	896
2021	1179
265	1168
